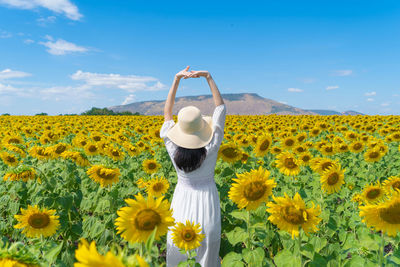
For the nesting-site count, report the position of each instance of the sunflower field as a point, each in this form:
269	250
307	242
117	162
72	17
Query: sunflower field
294	190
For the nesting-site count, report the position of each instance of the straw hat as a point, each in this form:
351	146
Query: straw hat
193	130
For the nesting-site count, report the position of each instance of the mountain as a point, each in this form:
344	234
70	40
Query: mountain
236	104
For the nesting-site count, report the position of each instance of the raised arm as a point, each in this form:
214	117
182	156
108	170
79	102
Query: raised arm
169	103
214	89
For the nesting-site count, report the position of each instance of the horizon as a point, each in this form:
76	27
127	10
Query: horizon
68	56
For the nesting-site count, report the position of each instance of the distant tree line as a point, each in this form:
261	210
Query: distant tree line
93	111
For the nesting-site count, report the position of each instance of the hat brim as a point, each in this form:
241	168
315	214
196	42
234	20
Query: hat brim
194	140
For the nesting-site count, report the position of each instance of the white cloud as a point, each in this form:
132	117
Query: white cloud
342	72
28	41
44	21
5	34
295	90
129	99
129	83
332	87
395	94
283	102
62	47
9	74
370	93
370	99
385	104
59	6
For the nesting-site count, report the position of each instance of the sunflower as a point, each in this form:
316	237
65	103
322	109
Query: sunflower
36	222
276	149
384	216
88	256
287	163
289	214
245	157
9	159
115	153
392	183
357	198
21	173
103	175
92	148
137	221
341	148
58	149
305	158
328	150
373	155
264	143
78	157
289	142
150	166
332	179
251	188
229	152
141	183
373	193
300	148
320	165
356	147
187	236
157	187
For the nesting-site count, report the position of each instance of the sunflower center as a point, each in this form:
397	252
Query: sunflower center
289	163
254	190
293	215
147	219
14	141
333	178
60	149
230	152
289	142
115	153
373	193
373	155
391	214
10	159
328	149
103	175
188	235
158	187
264	145
151	166
306	158
39	220
357	146
92	148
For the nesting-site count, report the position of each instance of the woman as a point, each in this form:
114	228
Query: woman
192	145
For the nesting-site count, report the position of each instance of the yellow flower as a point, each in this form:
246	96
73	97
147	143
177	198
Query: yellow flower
229	152
264	143
332	179
373	193
373	155
9	159
150	166
187	236
104	176
287	163
137	221
290	214
392	184
36	222
289	142
251	188
88	256
384	216
142	183
157	187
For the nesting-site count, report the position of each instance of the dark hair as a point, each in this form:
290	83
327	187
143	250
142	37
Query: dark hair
188	159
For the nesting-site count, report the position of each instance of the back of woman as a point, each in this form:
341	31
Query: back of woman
195	196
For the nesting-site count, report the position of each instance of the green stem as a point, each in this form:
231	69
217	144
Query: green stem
381	252
142	248
301	258
248	230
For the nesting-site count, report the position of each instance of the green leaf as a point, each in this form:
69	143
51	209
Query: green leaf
253	257
240	214
318	261
355	261
237	235
52	254
232	259
285	258
150	240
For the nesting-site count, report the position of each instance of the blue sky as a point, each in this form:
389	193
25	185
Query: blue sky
66	56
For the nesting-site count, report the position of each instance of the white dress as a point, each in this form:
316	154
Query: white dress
196	197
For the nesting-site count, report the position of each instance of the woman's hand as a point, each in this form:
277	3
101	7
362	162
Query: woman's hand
183	73
198	73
